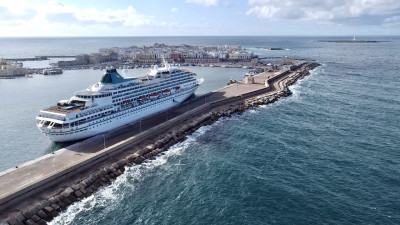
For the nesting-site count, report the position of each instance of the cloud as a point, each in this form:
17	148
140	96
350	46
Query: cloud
7	15
59	13
393	21
56	13
173	10
206	3
335	11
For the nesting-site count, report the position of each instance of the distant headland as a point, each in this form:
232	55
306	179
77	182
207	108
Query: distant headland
354	40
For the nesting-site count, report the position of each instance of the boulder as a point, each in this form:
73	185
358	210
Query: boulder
13	221
108	170
62	205
67	201
72	198
93	177
67	192
59	198
102	182
41	222
131	158
121	163
86	183
42	214
109	178
20	217
139	160
78	194
27	214
98	184
126	162
48	209
53	200
36	218
117	173
150	147
55	207
75	187
101	173
35	209
30	222
89	191
141	152
115	166
94	187
154	152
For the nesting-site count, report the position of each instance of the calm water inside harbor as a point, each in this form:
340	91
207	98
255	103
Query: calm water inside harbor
328	154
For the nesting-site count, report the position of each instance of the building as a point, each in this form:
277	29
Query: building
175	56
96	58
184	55
204	60
10	70
147	58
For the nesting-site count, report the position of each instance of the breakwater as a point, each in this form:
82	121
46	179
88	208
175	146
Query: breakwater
179	128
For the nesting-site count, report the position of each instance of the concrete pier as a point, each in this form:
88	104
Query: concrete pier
30	187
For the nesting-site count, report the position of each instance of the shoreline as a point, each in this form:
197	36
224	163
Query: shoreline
84	184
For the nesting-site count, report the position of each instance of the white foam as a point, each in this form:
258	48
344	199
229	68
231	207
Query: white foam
253	111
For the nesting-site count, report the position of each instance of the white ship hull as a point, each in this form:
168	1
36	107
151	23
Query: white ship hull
118	119
116	101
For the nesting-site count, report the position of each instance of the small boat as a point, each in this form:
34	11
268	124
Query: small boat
154	95
166	92
142	97
177	88
54	71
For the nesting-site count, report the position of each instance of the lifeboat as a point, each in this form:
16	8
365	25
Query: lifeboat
166	92
126	102
142	97
154	95
177	88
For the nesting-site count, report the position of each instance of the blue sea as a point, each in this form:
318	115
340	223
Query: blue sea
328	154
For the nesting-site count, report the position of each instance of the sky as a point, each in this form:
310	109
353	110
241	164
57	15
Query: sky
26	18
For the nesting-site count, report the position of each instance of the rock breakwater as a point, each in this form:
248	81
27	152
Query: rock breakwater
49	208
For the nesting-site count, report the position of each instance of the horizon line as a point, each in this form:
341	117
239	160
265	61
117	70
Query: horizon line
288	35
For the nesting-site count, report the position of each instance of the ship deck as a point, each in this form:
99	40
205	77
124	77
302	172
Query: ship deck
63	109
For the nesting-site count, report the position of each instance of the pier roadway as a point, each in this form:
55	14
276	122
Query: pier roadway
39	178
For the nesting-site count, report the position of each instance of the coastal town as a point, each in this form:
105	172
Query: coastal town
230	56
155	54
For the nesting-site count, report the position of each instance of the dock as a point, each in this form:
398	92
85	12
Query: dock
28	188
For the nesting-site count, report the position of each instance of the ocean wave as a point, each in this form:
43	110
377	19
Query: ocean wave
107	197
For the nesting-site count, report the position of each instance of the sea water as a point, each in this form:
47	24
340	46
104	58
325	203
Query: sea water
328	154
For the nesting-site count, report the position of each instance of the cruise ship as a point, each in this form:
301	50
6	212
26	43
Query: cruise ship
116	101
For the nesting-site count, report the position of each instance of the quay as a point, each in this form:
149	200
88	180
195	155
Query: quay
37	191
